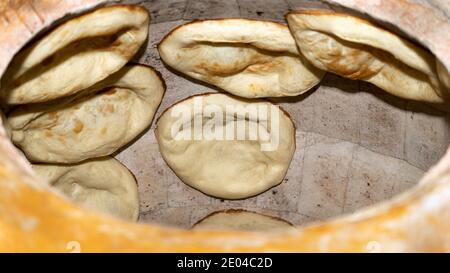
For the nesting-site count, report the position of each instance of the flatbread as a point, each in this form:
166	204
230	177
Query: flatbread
358	49
247	58
228	168
103	184
244	221
75	55
96	123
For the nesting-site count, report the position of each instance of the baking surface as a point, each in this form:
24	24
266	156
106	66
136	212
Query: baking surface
356	145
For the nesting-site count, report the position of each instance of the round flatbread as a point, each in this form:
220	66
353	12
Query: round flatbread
75	55
227	147
103	184
358	49
243	220
247	58
96	123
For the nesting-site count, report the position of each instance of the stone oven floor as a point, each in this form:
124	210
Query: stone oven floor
356	145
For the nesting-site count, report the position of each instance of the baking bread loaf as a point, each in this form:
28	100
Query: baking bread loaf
94	123
225	146
75	55
243	220
358	49
103	184
247	58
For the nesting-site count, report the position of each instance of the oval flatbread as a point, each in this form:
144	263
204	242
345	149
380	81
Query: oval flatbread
247	58
227	147
358	49
243	220
96	123
102	184
75	55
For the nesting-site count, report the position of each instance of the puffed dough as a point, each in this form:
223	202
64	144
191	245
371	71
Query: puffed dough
75	55
357	49
247	58
96	122
243	220
103	184
228	168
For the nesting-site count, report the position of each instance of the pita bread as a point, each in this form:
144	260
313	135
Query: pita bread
229	168
357	49
247	58
96	123
243	220
75	55
103	185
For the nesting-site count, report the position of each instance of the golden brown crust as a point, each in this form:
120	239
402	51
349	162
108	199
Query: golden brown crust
427	24
107	9
196	21
335	13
